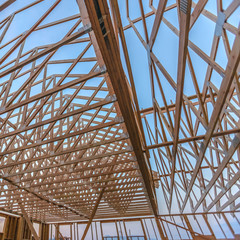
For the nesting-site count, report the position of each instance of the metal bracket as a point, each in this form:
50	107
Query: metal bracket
2	109
184	6
119	119
219	24
86	28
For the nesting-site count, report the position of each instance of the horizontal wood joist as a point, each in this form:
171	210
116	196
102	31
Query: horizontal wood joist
67	163
81	32
70	197
42	198
65	136
195	138
81	177
87	204
90	194
67	151
123	176
135	197
126	171
81	188
193	99
51	91
60	117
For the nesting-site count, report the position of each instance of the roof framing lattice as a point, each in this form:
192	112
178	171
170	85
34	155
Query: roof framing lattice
117	109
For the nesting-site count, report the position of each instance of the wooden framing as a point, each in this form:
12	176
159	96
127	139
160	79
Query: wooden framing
47	131
30	225
75	143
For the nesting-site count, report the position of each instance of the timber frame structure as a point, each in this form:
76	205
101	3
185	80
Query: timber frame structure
76	144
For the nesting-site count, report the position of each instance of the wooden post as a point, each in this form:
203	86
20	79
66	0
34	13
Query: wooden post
10	228
57	232
144	232
28	221
125	229
117	230
77	232
20	228
101	229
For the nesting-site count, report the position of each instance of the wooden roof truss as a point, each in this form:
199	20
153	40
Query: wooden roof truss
76	134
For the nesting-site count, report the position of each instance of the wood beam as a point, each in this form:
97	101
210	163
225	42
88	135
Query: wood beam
197	12
231	68
184	15
23	38
36	237
157	21
195	138
83	30
234	146
100	19
6	4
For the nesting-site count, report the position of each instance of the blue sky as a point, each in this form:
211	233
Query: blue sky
165	48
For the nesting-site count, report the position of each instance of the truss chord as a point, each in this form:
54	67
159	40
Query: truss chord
120	112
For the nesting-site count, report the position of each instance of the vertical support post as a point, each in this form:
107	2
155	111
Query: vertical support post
41	231
154	228
57	231
145	224
20	228
117	229
44	232
5	227
120	229
125	229
96	230
91	231
10	228
51	231
143	229
71	231
77	232
28	221
74	230
101	229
